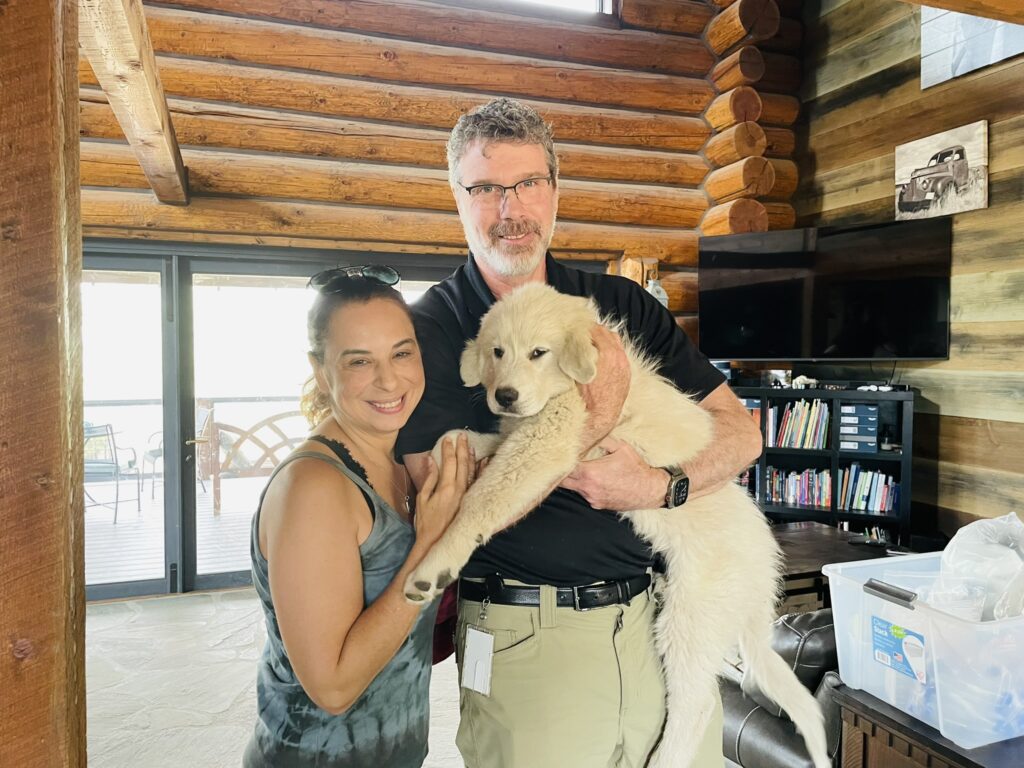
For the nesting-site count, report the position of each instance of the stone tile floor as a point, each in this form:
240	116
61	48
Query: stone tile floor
171	682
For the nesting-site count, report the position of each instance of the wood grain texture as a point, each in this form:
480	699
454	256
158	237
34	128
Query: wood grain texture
681	288
780	215
409	105
227	126
785	180
480	29
779	109
185	33
681	17
997	445
742	67
137	210
745	139
42	618
735	217
975	490
115	39
750	177
212	172
734	106
744	21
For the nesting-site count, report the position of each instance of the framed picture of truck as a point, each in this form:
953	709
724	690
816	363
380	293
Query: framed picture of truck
943	174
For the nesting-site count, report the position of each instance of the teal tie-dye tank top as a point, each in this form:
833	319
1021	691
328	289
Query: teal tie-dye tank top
387	725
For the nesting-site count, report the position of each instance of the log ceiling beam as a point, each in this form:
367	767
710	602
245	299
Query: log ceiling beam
206	124
481	30
1003	10
402	104
235	173
235	216
114	38
210	36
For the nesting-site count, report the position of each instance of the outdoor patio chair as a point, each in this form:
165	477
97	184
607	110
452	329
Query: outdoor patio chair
155	450
105	462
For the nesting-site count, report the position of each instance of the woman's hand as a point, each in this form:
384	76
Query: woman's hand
442	491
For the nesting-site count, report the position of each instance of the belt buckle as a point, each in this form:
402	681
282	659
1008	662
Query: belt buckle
576	600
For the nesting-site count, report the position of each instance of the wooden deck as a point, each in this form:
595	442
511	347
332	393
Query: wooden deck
133	548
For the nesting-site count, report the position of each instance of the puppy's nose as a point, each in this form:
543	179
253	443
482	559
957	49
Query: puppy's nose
506	396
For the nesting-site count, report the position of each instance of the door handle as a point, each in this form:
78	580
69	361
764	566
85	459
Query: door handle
197	441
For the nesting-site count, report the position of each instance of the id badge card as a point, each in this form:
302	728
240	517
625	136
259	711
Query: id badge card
476	664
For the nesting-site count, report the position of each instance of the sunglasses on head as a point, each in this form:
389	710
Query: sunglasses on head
333	280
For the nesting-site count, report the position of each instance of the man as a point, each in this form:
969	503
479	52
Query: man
574	679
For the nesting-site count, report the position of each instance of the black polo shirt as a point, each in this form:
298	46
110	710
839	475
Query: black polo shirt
564	541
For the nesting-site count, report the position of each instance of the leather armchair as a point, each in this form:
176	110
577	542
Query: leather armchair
756	733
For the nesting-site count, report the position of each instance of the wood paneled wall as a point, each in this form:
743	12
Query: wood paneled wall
861	98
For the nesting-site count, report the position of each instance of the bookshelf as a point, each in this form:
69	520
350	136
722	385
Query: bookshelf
813	451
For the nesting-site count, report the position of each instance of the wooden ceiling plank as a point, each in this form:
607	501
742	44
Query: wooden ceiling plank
114	38
272	44
482	30
401	104
138	210
232	127
1002	10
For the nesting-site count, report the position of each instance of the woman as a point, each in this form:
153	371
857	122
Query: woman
344	676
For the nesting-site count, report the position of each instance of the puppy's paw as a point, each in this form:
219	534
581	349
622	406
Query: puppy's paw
451	434
429	579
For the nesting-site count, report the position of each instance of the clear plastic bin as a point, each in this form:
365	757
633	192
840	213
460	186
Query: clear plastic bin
963	677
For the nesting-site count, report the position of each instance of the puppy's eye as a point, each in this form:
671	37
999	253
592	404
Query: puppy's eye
538	353
498	351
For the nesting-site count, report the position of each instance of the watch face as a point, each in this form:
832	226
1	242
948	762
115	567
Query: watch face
680	491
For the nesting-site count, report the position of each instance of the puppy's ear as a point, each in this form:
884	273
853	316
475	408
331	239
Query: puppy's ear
579	355
469	365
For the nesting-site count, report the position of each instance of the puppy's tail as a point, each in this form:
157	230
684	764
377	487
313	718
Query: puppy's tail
766	670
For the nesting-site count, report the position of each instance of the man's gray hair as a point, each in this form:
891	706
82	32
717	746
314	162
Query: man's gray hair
501	120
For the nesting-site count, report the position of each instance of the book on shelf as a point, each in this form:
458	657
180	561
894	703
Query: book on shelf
864	490
810	488
801	424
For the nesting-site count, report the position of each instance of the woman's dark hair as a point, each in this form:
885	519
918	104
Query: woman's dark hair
314	404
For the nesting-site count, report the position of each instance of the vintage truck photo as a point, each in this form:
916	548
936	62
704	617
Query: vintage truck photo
946	172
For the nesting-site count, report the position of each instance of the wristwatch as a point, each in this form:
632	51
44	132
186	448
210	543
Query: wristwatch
678	487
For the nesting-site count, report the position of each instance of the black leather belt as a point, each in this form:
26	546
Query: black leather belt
495	591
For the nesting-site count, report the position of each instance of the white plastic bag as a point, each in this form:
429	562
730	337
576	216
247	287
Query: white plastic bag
990	553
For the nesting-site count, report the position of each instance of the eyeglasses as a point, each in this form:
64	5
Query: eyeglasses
529	191
333	280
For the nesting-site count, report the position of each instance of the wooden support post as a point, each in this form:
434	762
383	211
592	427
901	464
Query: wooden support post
639	269
733	107
42	617
735	217
750	177
742	140
745	21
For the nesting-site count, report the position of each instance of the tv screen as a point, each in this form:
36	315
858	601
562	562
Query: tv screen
877	292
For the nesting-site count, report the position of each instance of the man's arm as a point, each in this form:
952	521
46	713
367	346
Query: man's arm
623	481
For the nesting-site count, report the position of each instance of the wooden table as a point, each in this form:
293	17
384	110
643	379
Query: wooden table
876	735
806	547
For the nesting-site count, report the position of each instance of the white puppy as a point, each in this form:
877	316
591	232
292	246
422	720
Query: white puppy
723	572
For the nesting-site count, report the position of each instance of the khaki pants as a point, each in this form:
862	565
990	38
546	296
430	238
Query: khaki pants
569	689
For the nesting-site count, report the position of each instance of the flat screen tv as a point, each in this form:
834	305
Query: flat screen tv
876	292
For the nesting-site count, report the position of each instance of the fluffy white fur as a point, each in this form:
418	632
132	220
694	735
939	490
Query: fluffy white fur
723	563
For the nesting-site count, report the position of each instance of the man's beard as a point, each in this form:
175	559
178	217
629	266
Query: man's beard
509	260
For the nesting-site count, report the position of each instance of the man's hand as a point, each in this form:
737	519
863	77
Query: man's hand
605	395
620	481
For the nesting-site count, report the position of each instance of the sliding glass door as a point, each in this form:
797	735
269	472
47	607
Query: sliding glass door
194	366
